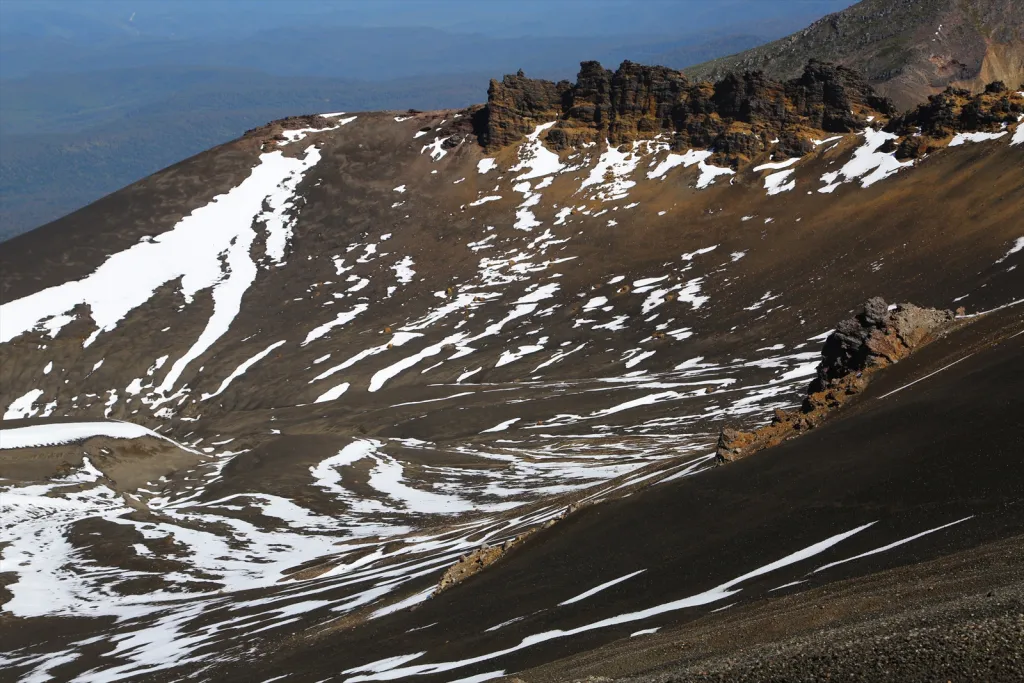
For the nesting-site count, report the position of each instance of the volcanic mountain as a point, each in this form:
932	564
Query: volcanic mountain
443	396
907	49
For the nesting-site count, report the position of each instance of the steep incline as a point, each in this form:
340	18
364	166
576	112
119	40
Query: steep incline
271	393
907	49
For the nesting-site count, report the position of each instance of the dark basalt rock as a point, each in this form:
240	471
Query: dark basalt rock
515	105
739	117
954	111
828	94
874	338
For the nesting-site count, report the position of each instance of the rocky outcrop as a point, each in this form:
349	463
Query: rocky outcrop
929	126
515	105
739	117
476	561
271	133
829	96
871	340
473	563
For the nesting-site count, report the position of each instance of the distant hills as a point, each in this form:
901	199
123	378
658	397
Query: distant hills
83	116
907	49
67	141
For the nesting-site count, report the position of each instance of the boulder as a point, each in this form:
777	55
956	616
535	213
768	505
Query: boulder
874	338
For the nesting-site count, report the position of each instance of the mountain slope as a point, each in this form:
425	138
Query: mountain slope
261	401
907	49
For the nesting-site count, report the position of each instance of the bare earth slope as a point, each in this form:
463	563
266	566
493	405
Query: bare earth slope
257	404
907	49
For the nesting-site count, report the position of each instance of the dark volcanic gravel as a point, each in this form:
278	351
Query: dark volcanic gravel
977	638
957	618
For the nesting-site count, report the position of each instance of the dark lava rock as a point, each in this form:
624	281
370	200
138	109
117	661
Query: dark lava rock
827	94
859	346
515	105
451	142
876	337
739	117
956	110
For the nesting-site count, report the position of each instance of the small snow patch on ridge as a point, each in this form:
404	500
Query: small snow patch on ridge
708	173
1017	246
484	200
1018	135
963	138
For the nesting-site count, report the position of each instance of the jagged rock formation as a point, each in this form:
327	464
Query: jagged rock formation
515	105
874	338
739	116
952	111
907	49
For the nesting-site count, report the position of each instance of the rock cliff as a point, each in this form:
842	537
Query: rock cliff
739	117
953	111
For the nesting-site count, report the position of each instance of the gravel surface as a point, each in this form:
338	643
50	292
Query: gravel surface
977	638
955	618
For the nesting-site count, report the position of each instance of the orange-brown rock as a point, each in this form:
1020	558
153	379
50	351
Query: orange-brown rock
952	111
859	347
740	116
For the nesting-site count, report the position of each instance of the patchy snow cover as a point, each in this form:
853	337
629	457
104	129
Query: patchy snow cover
1018	135
68	432
964	138
890	546
332	393
715	594
776	183
437	151
208	249
776	165
22	407
867	164
619	166
486	165
341	319
502	426
708	173
644	632
834	138
382	376
484	200
534	158
1014	248
597	589
387	477
403	270
524	350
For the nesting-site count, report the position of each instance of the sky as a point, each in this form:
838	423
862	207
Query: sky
96	19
